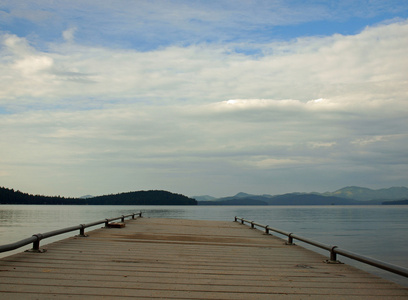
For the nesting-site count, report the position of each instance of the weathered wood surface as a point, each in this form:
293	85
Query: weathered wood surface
184	259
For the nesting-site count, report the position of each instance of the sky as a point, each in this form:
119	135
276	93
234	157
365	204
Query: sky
202	97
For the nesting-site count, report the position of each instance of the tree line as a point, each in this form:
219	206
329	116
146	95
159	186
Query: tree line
153	197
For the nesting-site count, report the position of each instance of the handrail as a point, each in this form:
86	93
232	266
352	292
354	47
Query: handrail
334	250
36	238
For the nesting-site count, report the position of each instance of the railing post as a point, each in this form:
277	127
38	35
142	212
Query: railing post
82	231
36	244
252	225
133	216
333	256
290	239
106	223
235	219
242	221
267	229
123	218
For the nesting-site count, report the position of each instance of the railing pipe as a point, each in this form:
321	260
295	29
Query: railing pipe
373	262
263	226
16	245
311	242
59	231
36	238
94	223
334	250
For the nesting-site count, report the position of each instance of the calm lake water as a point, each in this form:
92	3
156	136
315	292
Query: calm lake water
380	232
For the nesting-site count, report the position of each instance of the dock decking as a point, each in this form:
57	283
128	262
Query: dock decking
184	259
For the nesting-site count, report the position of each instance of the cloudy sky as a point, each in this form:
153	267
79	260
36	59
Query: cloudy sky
203	97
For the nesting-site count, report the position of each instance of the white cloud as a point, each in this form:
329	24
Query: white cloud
368	66
315	145
68	34
30	66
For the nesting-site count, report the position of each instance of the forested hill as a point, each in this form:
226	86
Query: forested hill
9	196
143	198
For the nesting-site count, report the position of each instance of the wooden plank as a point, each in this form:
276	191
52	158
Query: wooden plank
184	259
197	287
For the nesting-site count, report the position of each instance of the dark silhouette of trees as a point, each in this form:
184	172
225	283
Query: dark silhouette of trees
9	196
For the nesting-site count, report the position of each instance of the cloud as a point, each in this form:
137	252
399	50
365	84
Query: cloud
140	142
362	66
308	111
68	34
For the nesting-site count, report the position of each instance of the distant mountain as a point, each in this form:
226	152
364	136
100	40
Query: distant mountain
243	195
352	195
239	199
365	194
309	199
204	198
286	199
396	202
86	197
9	196
242	201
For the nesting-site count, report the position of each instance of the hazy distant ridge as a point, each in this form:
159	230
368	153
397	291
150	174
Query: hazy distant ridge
346	196
204	198
365	194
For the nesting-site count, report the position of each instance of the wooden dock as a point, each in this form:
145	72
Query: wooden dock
184	259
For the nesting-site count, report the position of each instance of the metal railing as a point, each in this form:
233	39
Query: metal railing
36	238
334	250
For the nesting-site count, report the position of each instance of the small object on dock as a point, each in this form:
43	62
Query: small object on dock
116	225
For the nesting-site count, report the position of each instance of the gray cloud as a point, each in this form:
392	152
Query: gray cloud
310	114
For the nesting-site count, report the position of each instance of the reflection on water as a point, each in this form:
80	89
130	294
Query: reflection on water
375	231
